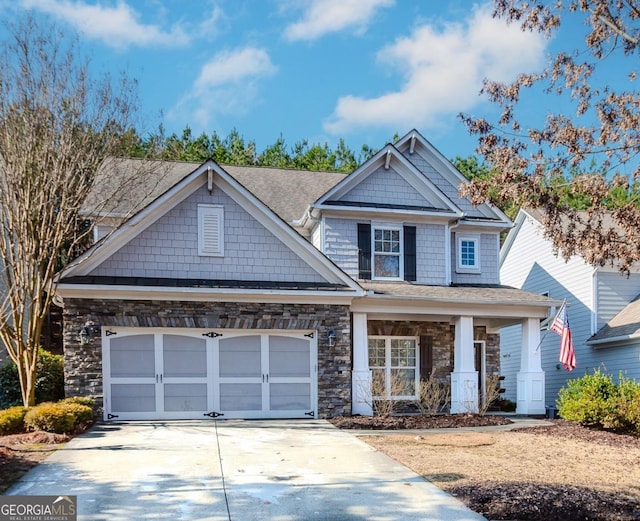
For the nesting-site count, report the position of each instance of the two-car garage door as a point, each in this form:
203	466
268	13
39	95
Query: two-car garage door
187	374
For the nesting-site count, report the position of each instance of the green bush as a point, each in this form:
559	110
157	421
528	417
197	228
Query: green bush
60	417
50	417
82	400
589	400
49	380
12	420
627	406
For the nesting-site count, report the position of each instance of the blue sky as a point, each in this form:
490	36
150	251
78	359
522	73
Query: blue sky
320	70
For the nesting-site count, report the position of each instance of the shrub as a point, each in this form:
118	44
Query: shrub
589	400
50	417
49	380
627	406
82	400
434	396
12	420
61	417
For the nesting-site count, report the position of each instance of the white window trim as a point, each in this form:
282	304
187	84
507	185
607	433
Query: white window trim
387	365
204	211
460	268
386	226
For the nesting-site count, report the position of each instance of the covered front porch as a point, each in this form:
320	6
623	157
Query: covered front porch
411	330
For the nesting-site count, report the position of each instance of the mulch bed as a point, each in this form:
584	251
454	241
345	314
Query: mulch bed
21	452
418	421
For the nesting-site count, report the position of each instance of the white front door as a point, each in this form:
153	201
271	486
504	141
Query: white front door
186	374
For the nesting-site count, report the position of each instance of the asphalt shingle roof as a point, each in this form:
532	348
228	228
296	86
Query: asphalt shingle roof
624	324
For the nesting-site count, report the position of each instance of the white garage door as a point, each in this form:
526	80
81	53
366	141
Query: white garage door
187	374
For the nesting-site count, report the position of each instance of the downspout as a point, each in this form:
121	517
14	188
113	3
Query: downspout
447	250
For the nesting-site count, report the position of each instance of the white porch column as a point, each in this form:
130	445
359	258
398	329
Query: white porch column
530	379
464	379
361	374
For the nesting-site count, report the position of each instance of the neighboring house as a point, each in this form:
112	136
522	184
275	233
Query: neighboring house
264	293
603	307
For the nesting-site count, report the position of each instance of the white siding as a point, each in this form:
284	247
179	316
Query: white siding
169	248
387	187
614	292
531	265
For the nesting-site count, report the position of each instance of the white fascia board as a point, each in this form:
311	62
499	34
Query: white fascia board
291	238
407	170
448	170
614	341
120	292
97	254
421	306
511	236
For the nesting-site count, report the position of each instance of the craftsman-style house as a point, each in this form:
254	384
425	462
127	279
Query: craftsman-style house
263	293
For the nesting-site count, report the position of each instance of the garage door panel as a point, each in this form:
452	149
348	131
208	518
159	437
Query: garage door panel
132	357
185	397
240	357
241	397
290	397
133	397
289	357
184	356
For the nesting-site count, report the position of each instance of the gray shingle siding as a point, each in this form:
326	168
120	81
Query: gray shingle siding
488	273
169	248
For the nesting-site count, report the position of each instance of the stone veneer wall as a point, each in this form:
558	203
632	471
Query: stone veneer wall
442	335
83	363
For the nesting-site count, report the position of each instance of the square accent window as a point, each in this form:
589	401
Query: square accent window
387	251
210	230
468	254
394	366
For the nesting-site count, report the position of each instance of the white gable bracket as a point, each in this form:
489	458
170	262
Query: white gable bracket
412	145
209	179
387	161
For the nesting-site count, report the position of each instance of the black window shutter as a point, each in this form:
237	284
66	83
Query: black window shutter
364	251
426	356
410	253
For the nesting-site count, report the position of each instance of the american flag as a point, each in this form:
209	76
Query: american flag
560	326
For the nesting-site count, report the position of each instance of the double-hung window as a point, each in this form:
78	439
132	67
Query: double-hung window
387	252
394	365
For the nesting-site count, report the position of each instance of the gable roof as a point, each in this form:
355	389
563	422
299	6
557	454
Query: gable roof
622	328
178	192
389	157
124	186
413	141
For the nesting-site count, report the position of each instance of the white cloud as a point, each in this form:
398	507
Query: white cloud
115	26
442	70
227	84
326	16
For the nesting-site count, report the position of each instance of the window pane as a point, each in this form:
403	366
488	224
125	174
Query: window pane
387	266
376	352
468	253
404	382
403	353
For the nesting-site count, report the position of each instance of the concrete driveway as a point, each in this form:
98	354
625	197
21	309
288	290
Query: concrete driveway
235	471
